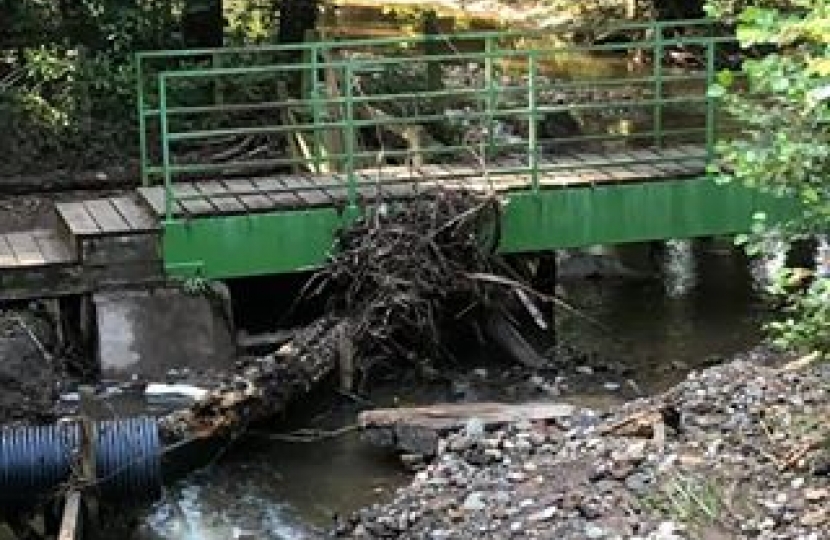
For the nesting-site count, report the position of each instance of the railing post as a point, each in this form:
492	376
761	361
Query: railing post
710	101
165	148
351	133
216	63
316	113
142	122
489	78
430	30
658	84
533	120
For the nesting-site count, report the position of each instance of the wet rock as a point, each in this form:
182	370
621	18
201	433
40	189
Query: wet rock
474	502
594	532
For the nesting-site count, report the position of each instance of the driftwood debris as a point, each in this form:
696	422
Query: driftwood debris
262	388
401	277
416	430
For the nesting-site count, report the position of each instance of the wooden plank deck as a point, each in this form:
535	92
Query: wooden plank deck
35	248
111	216
245	195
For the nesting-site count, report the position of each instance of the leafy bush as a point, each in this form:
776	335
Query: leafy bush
784	109
806	327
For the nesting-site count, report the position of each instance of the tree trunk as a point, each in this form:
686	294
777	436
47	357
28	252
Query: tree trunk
297	17
203	24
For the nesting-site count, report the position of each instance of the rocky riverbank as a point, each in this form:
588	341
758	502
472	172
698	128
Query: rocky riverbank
735	451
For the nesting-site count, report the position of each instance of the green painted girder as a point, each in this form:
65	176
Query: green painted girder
294	240
249	245
633	212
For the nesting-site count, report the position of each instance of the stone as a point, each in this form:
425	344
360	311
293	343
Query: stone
767	524
816	494
543	515
594	532
815	518
516	476
638	483
667	530
474	502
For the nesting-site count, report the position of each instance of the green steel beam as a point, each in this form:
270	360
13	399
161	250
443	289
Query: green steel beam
632	212
288	241
249	245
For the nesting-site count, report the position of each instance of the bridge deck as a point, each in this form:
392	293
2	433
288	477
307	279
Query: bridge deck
252	195
33	248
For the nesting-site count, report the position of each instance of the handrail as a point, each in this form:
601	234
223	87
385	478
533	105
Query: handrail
506	87
417	39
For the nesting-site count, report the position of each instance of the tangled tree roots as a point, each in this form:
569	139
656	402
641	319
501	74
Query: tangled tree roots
399	274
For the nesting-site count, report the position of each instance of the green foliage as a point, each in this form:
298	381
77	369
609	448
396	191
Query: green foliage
690	499
783	106
196	286
67	86
805	328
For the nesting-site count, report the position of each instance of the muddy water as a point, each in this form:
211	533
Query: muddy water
700	308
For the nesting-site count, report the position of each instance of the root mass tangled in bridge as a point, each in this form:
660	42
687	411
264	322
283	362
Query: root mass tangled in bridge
400	274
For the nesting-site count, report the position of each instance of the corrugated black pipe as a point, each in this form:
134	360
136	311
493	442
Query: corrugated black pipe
36	460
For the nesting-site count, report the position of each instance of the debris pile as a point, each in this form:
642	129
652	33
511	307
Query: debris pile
399	274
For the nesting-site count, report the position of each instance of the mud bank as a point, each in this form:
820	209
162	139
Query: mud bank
733	451
30	377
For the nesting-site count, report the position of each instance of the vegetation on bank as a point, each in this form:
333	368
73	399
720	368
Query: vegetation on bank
783	108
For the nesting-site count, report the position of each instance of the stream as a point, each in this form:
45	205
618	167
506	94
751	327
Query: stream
701	308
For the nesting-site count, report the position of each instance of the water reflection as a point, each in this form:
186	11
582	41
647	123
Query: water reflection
679	272
270	490
704	307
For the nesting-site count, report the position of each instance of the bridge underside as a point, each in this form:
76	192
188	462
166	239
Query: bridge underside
567	216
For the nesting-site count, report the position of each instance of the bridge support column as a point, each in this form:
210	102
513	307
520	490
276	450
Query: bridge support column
149	331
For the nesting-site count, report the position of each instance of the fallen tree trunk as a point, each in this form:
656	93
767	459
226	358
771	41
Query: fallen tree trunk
503	331
262	388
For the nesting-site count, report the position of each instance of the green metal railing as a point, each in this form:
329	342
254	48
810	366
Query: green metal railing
503	104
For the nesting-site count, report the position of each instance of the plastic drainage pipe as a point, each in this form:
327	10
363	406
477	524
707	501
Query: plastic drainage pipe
36	460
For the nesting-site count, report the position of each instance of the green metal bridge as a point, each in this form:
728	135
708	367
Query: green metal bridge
253	158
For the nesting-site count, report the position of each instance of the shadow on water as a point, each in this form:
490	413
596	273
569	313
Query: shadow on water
265	489
703	309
